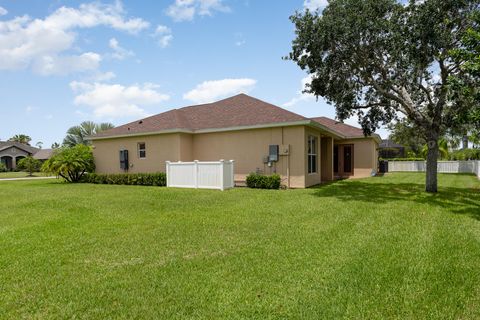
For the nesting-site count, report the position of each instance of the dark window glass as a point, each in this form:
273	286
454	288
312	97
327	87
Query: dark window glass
142	153
312	154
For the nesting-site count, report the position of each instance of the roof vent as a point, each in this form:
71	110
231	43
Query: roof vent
128	128
140	122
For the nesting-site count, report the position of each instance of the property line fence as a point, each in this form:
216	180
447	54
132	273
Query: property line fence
201	174
471	166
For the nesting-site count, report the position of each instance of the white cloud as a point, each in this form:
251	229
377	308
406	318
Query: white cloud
301	96
185	10
313	5
104	76
209	91
119	53
164	36
115	100
3	11
62	65
41	43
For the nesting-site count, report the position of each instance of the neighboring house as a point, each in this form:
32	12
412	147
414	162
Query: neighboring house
389	149
11	152
259	136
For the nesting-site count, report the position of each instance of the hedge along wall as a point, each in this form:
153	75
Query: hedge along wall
139	179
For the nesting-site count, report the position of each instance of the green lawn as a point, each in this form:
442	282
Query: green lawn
375	248
21	174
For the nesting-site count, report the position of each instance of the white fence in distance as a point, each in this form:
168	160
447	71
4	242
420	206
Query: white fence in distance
201	174
470	166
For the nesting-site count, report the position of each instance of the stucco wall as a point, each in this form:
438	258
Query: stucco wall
159	148
248	147
365	156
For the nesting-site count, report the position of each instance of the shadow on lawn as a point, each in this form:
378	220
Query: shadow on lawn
457	200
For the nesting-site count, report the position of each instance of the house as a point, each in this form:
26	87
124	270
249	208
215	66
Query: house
388	149
11	152
259	136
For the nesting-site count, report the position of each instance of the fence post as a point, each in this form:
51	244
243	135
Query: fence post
232	167
168	173
195	173
222	169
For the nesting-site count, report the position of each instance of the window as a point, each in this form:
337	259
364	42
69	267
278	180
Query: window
312	154
141	150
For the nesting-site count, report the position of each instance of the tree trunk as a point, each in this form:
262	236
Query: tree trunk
432	158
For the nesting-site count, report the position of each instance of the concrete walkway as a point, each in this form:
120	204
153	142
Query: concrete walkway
26	178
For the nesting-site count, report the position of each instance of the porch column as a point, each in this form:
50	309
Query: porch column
327	159
14	163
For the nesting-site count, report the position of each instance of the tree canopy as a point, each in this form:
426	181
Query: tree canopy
71	163
380	58
21	138
78	134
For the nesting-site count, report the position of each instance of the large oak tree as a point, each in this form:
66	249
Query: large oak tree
380	59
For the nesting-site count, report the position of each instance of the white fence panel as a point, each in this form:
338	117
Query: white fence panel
442	166
197	174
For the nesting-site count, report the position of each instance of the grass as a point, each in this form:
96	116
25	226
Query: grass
377	248
20	174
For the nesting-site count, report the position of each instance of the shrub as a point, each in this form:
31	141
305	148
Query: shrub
465	154
70	163
140	179
260	181
29	164
3	168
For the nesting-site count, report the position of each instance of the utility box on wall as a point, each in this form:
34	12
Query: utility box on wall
273	152
284	149
124	160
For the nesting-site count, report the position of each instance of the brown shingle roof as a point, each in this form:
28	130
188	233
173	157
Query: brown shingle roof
339	127
8	144
237	111
43	154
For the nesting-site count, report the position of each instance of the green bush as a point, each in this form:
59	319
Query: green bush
465	154
29	164
403	159
140	179
3	168
70	163
260	181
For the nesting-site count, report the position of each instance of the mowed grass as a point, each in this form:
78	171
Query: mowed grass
20	174
376	248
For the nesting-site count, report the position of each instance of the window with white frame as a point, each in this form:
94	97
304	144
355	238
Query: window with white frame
312	154
142	153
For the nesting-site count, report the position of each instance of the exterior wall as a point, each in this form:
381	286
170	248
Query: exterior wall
249	147
13	153
159	149
365	156
327	159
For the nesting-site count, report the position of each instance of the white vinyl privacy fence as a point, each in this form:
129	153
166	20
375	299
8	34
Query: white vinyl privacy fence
201	174
471	166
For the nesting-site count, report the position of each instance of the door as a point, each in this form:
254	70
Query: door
343	160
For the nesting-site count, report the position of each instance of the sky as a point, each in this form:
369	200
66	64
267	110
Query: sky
64	62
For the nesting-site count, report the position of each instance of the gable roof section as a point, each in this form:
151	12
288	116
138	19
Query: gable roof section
8	144
238	111
43	154
234	113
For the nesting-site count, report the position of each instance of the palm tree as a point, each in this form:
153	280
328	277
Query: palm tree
22	138
78	134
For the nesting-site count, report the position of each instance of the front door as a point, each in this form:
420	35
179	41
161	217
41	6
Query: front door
343	160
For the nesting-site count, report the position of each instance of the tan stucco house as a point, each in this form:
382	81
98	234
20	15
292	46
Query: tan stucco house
259	136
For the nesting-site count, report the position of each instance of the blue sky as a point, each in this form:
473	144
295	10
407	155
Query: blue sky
63	62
